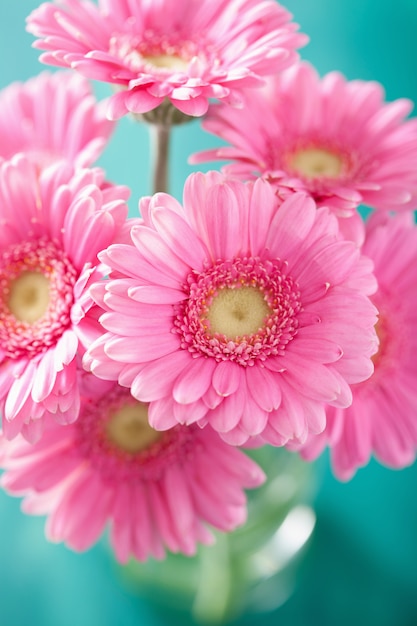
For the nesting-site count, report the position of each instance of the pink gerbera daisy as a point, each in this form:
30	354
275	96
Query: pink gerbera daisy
156	489
334	139
52	226
51	117
383	416
186	51
236	312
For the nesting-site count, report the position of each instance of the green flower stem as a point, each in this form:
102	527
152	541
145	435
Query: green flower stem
214	587
160	136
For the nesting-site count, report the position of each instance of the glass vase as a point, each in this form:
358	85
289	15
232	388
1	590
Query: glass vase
249	571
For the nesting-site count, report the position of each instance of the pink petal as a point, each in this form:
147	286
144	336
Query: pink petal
226	378
19	392
193	384
44	378
155	380
194	106
180	237
144	348
228	414
154	294
264	387
161	414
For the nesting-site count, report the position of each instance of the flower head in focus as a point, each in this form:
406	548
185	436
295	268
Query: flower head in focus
185	51
53	224
334	139
157	490
382	417
53	117
236	310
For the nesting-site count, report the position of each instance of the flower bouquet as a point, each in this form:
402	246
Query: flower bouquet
153	367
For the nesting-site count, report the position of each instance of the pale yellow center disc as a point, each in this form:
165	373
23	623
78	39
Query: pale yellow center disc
238	312
29	297
168	62
129	430
317	163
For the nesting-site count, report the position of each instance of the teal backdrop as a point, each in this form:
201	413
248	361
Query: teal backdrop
362	565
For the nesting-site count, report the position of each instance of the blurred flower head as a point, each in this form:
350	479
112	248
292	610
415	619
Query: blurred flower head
53	117
53	223
185	51
382	418
337	140
157	490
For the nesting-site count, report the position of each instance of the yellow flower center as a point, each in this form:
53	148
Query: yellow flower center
316	163
28	298
237	312
128	428
167	62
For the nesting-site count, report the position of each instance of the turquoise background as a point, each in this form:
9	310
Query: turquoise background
362	565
